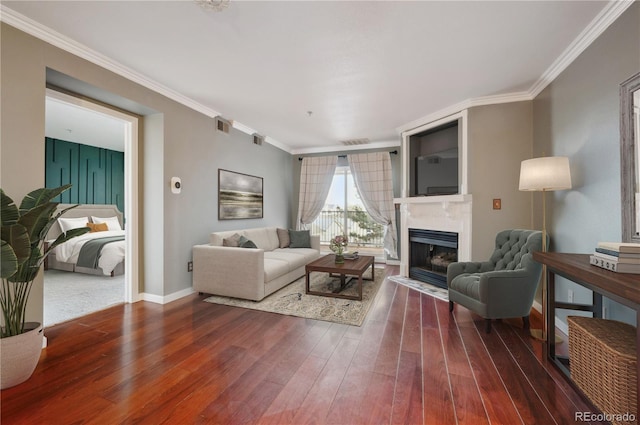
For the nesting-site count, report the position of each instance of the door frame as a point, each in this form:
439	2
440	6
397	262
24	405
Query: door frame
131	187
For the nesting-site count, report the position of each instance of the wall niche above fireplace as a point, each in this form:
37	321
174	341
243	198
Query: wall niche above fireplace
435	158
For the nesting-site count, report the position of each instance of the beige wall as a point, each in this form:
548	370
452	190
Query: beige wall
177	141
21	112
499	138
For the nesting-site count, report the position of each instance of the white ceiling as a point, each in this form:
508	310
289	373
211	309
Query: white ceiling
77	124
365	69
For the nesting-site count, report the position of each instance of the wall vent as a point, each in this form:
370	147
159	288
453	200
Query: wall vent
257	139
352	142
223	125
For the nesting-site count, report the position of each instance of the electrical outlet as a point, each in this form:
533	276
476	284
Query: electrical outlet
190	266
570	295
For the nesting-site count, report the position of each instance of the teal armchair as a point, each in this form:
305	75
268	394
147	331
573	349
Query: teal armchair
505	285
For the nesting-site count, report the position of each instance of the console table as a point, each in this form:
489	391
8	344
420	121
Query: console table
623	288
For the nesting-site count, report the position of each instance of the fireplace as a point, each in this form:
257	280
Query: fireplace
430	252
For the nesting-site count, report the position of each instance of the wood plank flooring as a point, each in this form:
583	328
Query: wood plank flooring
190	362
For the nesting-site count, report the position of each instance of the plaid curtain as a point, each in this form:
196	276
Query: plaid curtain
316	176
373	178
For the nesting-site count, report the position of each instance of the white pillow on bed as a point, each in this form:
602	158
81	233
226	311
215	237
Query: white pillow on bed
67	224
112	222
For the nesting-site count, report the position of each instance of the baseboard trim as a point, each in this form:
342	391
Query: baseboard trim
164	299
560	325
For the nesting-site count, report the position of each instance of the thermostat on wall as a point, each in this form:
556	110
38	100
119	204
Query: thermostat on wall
176	184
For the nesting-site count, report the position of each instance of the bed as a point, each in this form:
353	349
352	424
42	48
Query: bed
100	252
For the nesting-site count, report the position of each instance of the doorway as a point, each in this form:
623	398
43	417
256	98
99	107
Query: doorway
126	127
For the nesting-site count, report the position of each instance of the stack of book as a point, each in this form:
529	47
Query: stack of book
618	257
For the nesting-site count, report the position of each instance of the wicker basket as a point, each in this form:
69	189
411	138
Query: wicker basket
602	355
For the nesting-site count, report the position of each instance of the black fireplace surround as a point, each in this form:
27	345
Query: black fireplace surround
430	252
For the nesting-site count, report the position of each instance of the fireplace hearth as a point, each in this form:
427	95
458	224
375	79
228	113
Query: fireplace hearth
430	252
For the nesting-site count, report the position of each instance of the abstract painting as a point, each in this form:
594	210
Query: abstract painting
239	196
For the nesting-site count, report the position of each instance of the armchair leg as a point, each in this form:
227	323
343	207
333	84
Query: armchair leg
525	322
487	325
450	306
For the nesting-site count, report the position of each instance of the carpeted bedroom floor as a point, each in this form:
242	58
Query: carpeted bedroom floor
70	295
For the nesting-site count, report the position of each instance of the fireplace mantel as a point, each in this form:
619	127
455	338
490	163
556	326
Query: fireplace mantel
432	199
449	213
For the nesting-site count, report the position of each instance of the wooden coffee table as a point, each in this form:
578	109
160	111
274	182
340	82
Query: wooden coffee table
354	268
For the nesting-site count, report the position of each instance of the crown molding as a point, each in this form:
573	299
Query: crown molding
465	104
67	44
46	34
596	27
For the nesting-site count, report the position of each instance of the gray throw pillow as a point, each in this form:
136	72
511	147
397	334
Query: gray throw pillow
300	239
231	240
246	243
283	237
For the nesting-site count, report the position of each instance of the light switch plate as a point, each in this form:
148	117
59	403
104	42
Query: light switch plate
497	204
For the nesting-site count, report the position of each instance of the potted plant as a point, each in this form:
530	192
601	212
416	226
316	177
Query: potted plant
23	250
338	244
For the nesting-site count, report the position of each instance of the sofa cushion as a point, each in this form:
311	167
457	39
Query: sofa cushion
264	237
274	268
294	260
300	239
283	238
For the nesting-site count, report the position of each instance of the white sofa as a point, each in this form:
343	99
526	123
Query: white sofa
249	273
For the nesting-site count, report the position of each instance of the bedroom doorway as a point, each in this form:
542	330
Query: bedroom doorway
72	118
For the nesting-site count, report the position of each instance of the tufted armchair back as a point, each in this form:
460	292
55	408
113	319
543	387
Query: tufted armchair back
512	246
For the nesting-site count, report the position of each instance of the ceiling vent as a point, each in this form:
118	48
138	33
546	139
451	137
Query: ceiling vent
352	142
257	139
223	125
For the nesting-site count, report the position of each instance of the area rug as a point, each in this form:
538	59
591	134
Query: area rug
292	300
425	288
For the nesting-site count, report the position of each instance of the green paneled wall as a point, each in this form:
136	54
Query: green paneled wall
97	174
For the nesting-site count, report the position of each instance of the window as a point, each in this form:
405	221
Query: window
344	213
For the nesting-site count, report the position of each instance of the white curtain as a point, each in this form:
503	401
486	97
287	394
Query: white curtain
316	176
373	178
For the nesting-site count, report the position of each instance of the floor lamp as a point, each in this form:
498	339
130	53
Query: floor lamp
544	175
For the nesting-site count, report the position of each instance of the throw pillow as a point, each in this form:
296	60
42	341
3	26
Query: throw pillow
283	237
232	240
112	222
67	224
97	227
300	239
246	243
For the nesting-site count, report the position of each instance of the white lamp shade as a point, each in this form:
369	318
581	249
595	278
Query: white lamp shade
548	173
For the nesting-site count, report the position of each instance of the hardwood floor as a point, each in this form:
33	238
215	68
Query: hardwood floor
194	362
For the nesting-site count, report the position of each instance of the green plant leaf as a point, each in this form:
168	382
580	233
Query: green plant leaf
9	261
17	237
63	237
37	218
28	270
9	213
39	197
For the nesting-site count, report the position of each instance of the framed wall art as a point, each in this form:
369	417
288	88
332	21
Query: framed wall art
239	196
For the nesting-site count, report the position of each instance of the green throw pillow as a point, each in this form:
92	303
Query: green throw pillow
300	239
246	243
